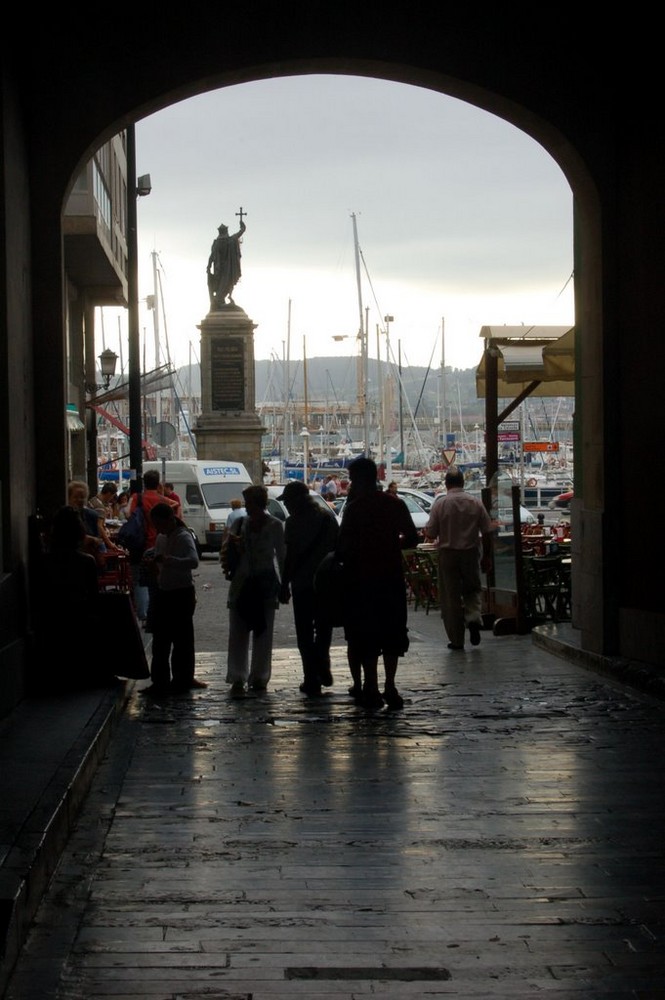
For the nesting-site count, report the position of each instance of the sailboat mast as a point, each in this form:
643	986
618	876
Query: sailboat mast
305	429
401	415
443	381
304	375
286	442
155	322
362	334
381	408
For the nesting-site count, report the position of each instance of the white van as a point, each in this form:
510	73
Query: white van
206	489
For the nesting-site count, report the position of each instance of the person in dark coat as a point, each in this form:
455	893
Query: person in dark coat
69	624
310	532
375	528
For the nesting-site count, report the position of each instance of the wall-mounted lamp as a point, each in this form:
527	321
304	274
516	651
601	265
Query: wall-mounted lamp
107	362
143	185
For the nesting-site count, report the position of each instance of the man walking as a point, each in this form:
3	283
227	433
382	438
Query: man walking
463	529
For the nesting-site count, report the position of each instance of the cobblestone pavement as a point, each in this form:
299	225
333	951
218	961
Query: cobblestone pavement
501	837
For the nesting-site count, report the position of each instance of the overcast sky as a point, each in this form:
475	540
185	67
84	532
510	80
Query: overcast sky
461	218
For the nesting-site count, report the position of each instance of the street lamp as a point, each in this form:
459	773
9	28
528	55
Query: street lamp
107	362
304	434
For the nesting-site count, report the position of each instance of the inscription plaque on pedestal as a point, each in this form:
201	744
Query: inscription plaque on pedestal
227	373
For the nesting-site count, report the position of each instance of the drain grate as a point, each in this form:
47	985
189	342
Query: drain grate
409	975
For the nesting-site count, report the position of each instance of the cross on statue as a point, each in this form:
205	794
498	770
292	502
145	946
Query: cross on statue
241	213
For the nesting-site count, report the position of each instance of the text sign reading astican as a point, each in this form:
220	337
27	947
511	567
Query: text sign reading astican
221	470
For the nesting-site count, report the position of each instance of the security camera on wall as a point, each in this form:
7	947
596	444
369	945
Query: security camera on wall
143	185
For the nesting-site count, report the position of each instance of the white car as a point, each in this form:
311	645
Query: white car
424	500
504	518
419	505
277	509
419	515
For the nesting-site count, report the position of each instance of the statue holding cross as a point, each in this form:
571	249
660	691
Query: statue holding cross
224	265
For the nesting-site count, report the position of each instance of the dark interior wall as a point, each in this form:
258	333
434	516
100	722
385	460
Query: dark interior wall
17	459
553	79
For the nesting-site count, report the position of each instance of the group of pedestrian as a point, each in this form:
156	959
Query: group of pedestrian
276	563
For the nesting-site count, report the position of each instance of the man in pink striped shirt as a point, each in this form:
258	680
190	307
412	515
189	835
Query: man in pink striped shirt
463	531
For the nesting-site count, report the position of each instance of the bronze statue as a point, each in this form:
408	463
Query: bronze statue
224	265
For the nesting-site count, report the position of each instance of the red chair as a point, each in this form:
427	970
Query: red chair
114	573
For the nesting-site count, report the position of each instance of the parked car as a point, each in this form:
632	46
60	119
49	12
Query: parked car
504	519
562	502
417	505
277	509
424	500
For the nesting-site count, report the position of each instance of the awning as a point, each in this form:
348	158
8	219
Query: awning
519	362
542	354
74	422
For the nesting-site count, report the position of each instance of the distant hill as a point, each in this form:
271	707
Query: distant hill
335	380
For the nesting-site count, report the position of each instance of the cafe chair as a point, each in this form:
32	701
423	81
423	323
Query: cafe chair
547	588
420	572
114	572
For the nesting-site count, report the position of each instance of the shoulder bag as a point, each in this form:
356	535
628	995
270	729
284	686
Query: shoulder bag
230	552
132	535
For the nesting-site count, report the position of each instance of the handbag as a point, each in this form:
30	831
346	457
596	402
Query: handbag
230	552
329	589
132	535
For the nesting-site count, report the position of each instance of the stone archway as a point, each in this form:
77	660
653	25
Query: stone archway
590	411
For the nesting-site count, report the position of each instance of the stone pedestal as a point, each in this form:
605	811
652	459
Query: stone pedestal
228	426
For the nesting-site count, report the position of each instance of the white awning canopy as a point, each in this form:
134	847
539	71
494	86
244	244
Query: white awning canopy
519	362
527	355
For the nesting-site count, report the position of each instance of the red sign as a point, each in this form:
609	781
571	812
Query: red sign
540	446
508	436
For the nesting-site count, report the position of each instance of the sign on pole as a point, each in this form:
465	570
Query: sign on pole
541	446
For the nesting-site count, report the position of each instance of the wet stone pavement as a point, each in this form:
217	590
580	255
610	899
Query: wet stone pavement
500	837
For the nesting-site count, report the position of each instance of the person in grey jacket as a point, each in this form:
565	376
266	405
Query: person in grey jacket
253	596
